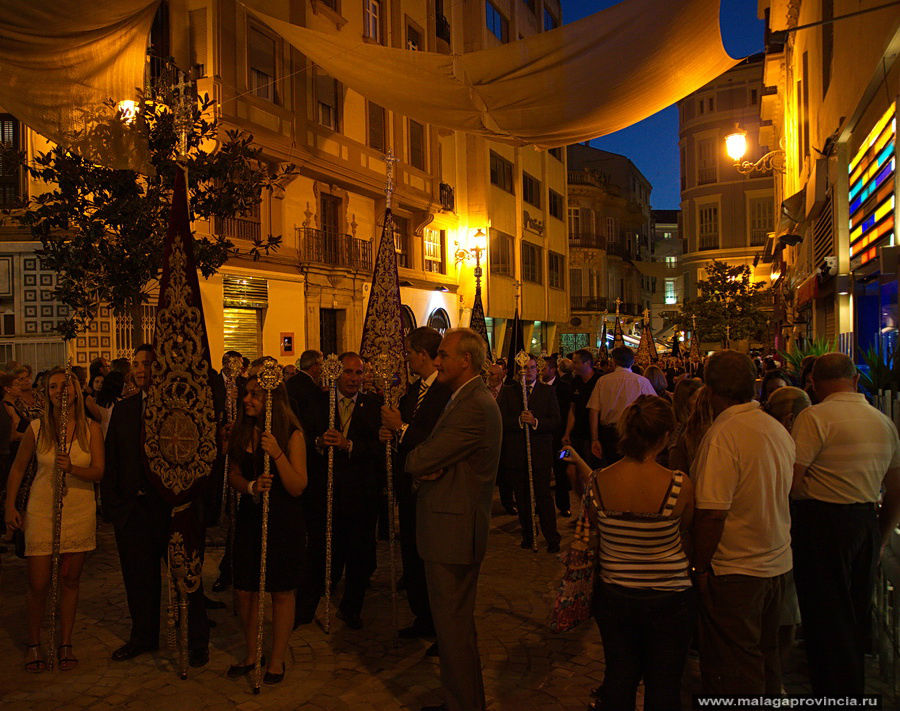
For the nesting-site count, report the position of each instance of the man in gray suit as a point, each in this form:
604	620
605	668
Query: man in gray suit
456	467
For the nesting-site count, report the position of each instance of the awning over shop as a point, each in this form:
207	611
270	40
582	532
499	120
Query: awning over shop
807	291
580	81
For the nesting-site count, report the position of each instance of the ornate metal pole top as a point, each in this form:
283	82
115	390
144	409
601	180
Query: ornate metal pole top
646	315
331	370
618	304
269	376
384	367
522	359
232	366
389	161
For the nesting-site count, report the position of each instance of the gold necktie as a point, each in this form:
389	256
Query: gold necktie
346	414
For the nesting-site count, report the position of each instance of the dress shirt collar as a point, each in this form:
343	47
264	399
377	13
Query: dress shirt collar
462	387
846	397
429	381
729	412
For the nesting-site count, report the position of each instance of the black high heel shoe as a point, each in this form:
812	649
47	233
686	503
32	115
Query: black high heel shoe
237	670
270	678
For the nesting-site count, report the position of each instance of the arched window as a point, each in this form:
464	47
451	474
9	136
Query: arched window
439	320
408	319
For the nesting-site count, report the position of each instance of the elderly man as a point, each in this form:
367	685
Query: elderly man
456	467
847	452
611	395
742	541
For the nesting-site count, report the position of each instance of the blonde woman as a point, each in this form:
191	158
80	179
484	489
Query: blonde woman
83	466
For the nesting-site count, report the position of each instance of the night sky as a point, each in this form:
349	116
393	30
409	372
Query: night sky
652	144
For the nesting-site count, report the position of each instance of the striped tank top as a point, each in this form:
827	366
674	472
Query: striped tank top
641	550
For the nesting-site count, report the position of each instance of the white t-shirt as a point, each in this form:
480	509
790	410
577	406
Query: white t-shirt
615	391
745	466
847	446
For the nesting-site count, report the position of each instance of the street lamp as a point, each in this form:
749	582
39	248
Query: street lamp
477	244
736	147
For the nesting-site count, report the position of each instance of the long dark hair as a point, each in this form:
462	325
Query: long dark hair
284	422
111	390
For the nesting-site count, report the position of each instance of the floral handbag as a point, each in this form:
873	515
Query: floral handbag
576	590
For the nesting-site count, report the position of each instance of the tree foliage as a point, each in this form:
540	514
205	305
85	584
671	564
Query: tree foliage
730	304
102	230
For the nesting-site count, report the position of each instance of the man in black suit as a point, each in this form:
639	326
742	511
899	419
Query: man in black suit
305	388
411	424
562	388
358	476
542	417
141	519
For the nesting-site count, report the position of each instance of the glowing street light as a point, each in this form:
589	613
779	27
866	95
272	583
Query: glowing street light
127	110
736	147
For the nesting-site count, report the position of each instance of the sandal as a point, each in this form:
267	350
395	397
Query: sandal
36	665
66	663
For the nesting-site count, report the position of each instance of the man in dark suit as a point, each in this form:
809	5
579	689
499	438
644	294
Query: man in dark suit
456	467
420	408
358	475
542	418
304	388
141	519
562	388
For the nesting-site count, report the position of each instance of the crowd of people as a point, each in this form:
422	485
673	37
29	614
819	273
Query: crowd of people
727	504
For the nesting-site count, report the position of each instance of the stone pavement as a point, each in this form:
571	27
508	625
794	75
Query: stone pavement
526	667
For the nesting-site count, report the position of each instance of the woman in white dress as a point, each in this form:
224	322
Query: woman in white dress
83	466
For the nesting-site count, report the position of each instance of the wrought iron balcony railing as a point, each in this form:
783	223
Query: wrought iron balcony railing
334	249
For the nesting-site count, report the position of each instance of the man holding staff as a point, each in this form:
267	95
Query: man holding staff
456	467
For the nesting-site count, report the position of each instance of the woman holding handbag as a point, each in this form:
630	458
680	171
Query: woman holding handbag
643	599
83	466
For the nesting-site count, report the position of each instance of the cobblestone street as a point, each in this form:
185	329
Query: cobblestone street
526	667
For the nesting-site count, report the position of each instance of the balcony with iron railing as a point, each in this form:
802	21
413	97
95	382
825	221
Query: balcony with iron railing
587	177
709	241
333	249
587	241
448	201
587	303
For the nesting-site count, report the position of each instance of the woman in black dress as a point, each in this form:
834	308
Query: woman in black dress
248	446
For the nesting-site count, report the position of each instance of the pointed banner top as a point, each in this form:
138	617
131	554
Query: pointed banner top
389	161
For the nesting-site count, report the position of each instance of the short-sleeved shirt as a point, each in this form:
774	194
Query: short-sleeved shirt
617	390
745	465
847	446
580	394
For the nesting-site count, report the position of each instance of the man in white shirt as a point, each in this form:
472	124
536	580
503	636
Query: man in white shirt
742	551
846	452
612	394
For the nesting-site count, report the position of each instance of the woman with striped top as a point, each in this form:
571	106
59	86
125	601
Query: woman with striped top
643	599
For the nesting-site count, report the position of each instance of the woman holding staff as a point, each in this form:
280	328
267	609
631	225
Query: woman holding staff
82	465
287	479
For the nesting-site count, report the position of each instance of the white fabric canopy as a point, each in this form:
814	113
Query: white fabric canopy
61	61
577	82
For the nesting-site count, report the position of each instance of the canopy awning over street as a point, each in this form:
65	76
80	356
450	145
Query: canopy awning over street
577	82
65	63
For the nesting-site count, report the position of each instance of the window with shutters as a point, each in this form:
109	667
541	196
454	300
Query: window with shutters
416	145
502	173
413	38
501	253
708	220
574	223
401	240
377	127
556	269
245	300
372	21
327	100
532	259
531	190
262	64
555	204
762	220
434	243
706	161
10	178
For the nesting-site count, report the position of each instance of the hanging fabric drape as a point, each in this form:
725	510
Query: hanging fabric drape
580	81
63	66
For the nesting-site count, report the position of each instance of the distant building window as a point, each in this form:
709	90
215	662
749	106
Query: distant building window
556	268
434	242
556	153
502	173
611	229
10	183
416	145
261	63
497	24
501	253
531	190
401	240
550	22
372	20
708	218
377	126
671	262
671	298
753	96
667	235
413	38
574	223
706	161
555	201
531	263
762	219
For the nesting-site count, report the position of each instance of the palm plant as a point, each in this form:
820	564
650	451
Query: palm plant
794	360
880	370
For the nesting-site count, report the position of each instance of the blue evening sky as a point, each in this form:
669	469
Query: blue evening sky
652	144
